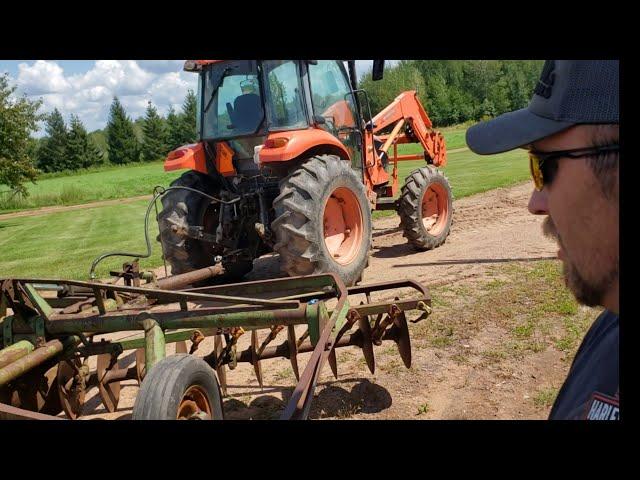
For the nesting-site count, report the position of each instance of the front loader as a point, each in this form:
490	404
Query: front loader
291	160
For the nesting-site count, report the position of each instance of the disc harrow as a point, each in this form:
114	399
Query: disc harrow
47	340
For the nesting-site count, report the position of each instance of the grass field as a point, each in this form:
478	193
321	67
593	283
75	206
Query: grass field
101	184
110	181
63	244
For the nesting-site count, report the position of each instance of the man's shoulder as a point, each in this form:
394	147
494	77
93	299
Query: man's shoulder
593	377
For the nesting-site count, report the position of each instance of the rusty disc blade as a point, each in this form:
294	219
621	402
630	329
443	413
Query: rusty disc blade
109	392
222	369
293	350
333	363
140	365
367	344
181	347
71	396
37	393
257	365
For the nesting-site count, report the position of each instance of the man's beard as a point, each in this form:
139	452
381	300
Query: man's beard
590	293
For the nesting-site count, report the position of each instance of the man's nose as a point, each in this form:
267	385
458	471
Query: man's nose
538	203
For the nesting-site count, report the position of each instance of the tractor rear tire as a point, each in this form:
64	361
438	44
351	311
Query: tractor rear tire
426	208
179	387
323	220
185	208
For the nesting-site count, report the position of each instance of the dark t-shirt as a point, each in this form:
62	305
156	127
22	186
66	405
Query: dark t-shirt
590	391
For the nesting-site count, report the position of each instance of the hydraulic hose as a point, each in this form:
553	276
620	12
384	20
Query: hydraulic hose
158	192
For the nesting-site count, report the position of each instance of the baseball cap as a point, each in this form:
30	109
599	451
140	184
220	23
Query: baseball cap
569	92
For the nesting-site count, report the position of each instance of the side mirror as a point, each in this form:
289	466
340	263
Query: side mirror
378	70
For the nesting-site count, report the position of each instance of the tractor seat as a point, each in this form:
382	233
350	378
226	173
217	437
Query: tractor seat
247	112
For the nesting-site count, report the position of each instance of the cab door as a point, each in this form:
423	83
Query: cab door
332	100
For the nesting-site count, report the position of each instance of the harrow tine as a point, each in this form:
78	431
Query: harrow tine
181	347
255	359
293	350
109	392
367	343
399	333
141	369
333	363
221	369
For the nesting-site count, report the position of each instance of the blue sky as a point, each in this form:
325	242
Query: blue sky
86	87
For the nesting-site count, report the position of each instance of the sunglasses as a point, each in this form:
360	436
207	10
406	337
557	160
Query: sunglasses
544	165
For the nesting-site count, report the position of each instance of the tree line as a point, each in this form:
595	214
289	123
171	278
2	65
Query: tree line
458	91
147	139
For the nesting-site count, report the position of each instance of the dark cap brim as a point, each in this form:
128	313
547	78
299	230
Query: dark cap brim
510	131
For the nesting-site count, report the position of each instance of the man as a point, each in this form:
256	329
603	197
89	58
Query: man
570	130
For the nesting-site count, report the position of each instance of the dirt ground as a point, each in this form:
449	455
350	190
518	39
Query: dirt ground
460	378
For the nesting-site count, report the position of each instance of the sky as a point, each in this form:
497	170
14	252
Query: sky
87	87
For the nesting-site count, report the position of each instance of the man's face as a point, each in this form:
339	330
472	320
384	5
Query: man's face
583	221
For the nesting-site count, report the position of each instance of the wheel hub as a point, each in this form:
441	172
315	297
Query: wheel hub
343	226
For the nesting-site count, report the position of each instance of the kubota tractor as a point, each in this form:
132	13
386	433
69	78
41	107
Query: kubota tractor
290	160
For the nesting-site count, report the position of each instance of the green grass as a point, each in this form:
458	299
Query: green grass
102	183
63	244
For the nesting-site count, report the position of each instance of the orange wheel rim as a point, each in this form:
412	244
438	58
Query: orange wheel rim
343	226
194	405
435	209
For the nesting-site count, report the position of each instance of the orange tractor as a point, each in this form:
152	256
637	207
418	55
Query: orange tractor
290	160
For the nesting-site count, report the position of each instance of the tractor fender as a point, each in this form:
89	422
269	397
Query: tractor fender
285	146
188	156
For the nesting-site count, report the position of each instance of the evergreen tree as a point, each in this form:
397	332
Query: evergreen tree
154	143
81	151
121	138
52	154
188	133
174	137
18	118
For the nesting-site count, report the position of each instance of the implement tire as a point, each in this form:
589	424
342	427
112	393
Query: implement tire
323	220
179	387
426	208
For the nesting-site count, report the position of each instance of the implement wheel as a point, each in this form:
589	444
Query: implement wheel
426	208
323	220
179	387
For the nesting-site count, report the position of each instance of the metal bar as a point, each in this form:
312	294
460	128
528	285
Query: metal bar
167	295
176	282
139	342
35	358
14	352
155	349
392	135
117	322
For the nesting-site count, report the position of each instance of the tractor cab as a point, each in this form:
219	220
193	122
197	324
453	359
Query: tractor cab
246	102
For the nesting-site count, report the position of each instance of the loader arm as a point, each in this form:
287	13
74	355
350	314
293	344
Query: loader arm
407	111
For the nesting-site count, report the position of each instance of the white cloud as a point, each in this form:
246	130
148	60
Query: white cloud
161	66
89	94
42	77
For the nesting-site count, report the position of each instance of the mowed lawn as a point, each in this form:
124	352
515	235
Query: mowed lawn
102	184
63	244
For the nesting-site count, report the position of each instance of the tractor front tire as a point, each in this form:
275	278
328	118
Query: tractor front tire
426	208
323	220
